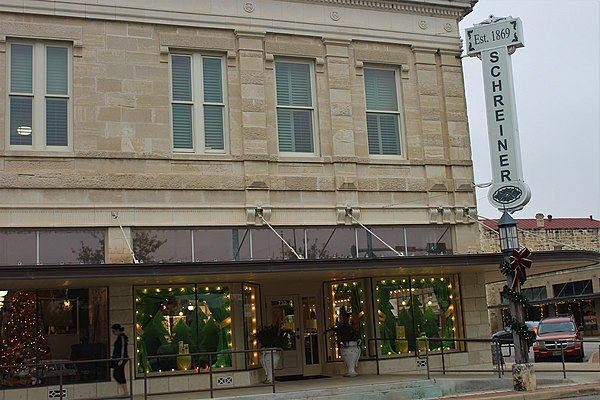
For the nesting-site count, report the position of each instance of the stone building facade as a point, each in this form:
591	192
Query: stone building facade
196	170
570	291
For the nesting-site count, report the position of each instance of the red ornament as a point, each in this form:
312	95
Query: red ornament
519	264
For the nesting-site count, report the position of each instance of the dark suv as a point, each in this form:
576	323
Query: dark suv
556	332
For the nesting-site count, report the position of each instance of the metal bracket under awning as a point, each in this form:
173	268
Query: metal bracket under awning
258	211
349	214
115	216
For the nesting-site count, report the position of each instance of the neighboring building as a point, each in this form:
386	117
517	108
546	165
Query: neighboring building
179	133
574	292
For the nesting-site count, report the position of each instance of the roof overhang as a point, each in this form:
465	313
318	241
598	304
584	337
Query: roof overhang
44	276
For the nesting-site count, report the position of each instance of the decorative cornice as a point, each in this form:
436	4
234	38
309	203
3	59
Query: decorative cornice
399	6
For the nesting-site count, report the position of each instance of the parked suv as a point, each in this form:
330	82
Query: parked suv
556	332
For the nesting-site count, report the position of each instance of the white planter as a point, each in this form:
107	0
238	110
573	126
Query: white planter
350	352
268	363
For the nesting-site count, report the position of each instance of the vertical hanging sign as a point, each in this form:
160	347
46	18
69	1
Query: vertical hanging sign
494	40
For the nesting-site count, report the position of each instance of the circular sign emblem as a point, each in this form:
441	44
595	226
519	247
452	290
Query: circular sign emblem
507	194
510	196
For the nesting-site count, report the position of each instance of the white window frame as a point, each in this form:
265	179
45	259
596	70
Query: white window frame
198	103
312	108
398	113
38	139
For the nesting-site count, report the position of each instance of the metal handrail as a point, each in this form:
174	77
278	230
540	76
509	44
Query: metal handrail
377	357
496	344
62	371
210	371
500	369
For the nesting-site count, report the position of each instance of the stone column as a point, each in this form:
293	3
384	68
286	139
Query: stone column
256	143
342	127
429	103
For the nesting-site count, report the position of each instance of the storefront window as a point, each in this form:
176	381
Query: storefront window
570	289
51	247
410	308
345	305
18	247
225	244
423	241
369	246
339	242
163	245
267	246
590	320
53	325
221	244
71	247
174	322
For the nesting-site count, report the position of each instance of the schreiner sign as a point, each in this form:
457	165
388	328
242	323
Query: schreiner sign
487	40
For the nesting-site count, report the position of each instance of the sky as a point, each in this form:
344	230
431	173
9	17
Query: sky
557	91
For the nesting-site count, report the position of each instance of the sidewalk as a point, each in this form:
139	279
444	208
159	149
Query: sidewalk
405	386
575	390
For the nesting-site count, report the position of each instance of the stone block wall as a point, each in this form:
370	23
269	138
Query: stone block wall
121	157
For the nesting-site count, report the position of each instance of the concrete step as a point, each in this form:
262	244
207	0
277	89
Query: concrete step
421	389
348	389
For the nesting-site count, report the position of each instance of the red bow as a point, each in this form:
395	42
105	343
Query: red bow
519	262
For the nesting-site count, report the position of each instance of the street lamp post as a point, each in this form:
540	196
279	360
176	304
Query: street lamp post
509	241
523	372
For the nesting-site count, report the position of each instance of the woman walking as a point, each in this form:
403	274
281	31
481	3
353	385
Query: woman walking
120	355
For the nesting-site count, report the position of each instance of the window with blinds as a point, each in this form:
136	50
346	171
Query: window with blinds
39	95
295	109
383	115
198	103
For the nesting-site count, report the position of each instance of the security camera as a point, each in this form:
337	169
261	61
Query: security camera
114	214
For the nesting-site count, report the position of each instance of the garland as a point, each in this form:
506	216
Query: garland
521	329
506	268
514	296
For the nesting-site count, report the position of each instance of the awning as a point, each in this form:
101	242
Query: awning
27	276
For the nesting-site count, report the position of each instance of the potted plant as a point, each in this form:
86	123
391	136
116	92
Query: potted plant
270	338
348	341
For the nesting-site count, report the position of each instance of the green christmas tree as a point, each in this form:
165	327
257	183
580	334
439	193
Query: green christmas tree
23	341
431	327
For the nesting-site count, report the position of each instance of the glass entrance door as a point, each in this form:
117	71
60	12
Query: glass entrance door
310	335
285	311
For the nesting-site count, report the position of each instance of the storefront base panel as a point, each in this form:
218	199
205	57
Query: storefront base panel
71	391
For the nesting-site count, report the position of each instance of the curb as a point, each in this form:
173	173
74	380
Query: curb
546	393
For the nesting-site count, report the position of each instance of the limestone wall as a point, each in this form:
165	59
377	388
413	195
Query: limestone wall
121	156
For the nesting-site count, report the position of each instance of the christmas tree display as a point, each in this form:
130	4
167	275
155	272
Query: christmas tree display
23	341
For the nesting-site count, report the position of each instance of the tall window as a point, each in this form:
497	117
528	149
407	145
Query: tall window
39	95
411	308
198	103
383	115
295	109
177	327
